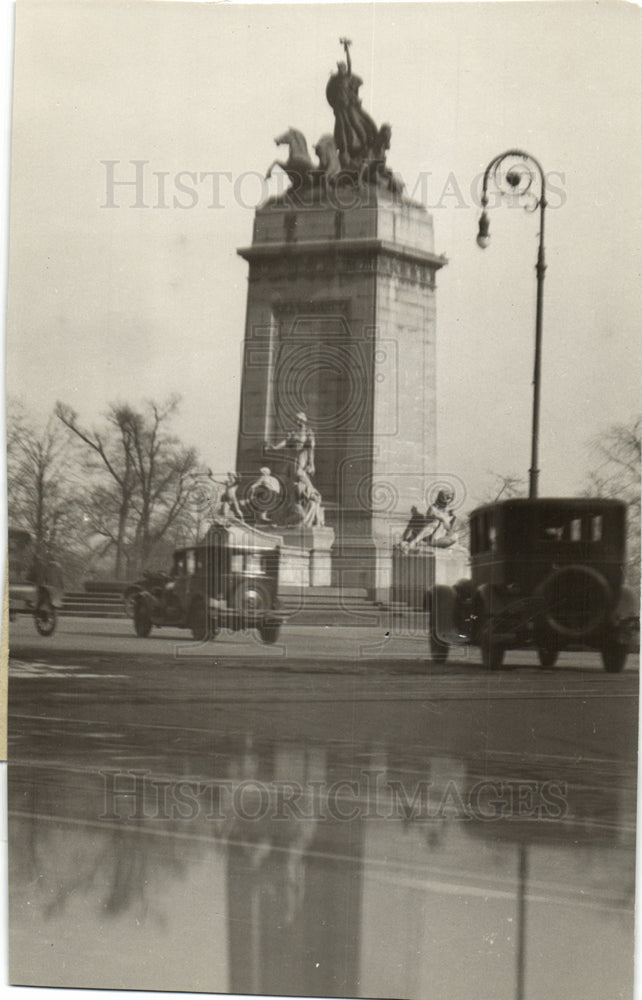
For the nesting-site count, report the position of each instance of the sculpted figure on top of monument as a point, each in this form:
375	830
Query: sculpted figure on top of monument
298	165
354	155
373	168
329	162
355	133
300	168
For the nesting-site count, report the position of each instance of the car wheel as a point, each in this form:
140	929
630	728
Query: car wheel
198	621
575	601
443	604
438	649
45	617
142	619
252	597
547	655
614	655
269	632
129	602
492	652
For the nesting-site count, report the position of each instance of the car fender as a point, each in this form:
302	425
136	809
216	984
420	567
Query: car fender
147	600
465	590
442	607
491	599
627	605
53	595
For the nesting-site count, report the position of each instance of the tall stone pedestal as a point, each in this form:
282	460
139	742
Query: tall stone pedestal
306	559
415	573
341	325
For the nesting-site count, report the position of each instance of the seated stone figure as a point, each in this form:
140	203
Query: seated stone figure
438	530
415	524
308	506
265	496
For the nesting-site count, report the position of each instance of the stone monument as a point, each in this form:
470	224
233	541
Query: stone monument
340	329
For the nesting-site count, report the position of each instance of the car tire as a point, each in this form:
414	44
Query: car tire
576	599
269	632
492	652
129	602
443	602
45	617
614	654
142	619
438	649
198	621
547	655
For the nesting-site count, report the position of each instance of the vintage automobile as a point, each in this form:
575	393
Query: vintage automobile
35	583
150	581
228	581
546	574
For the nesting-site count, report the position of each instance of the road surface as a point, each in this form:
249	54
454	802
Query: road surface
333	816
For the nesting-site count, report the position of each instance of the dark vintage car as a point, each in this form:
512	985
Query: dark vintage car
228	581
35	583
150	581
546	574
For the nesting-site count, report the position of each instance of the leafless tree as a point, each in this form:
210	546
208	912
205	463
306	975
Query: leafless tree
505	487
140	478
40	496
107	507
615	455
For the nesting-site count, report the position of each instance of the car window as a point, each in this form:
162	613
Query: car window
570	527
483	533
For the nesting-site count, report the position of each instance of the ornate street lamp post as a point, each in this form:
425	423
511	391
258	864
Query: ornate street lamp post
519	174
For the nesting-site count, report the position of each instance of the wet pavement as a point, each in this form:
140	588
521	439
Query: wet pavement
355	828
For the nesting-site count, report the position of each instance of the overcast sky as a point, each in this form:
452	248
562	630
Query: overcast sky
124	303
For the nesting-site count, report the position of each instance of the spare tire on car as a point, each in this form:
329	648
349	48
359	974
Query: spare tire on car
575	601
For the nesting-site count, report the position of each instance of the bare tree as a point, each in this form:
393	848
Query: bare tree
616	473
140	478
40	496
107	508
505	487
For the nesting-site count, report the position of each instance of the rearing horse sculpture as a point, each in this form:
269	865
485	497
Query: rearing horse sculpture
298	165
329	163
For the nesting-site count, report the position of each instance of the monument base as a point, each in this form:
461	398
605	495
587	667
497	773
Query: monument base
317	542
306	559
416	572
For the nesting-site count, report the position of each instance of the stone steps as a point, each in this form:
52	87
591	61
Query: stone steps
321	606
82	604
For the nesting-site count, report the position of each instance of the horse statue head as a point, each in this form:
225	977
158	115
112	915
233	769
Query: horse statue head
298	164
326	150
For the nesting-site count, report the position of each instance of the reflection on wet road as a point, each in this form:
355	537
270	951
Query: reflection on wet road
361	834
